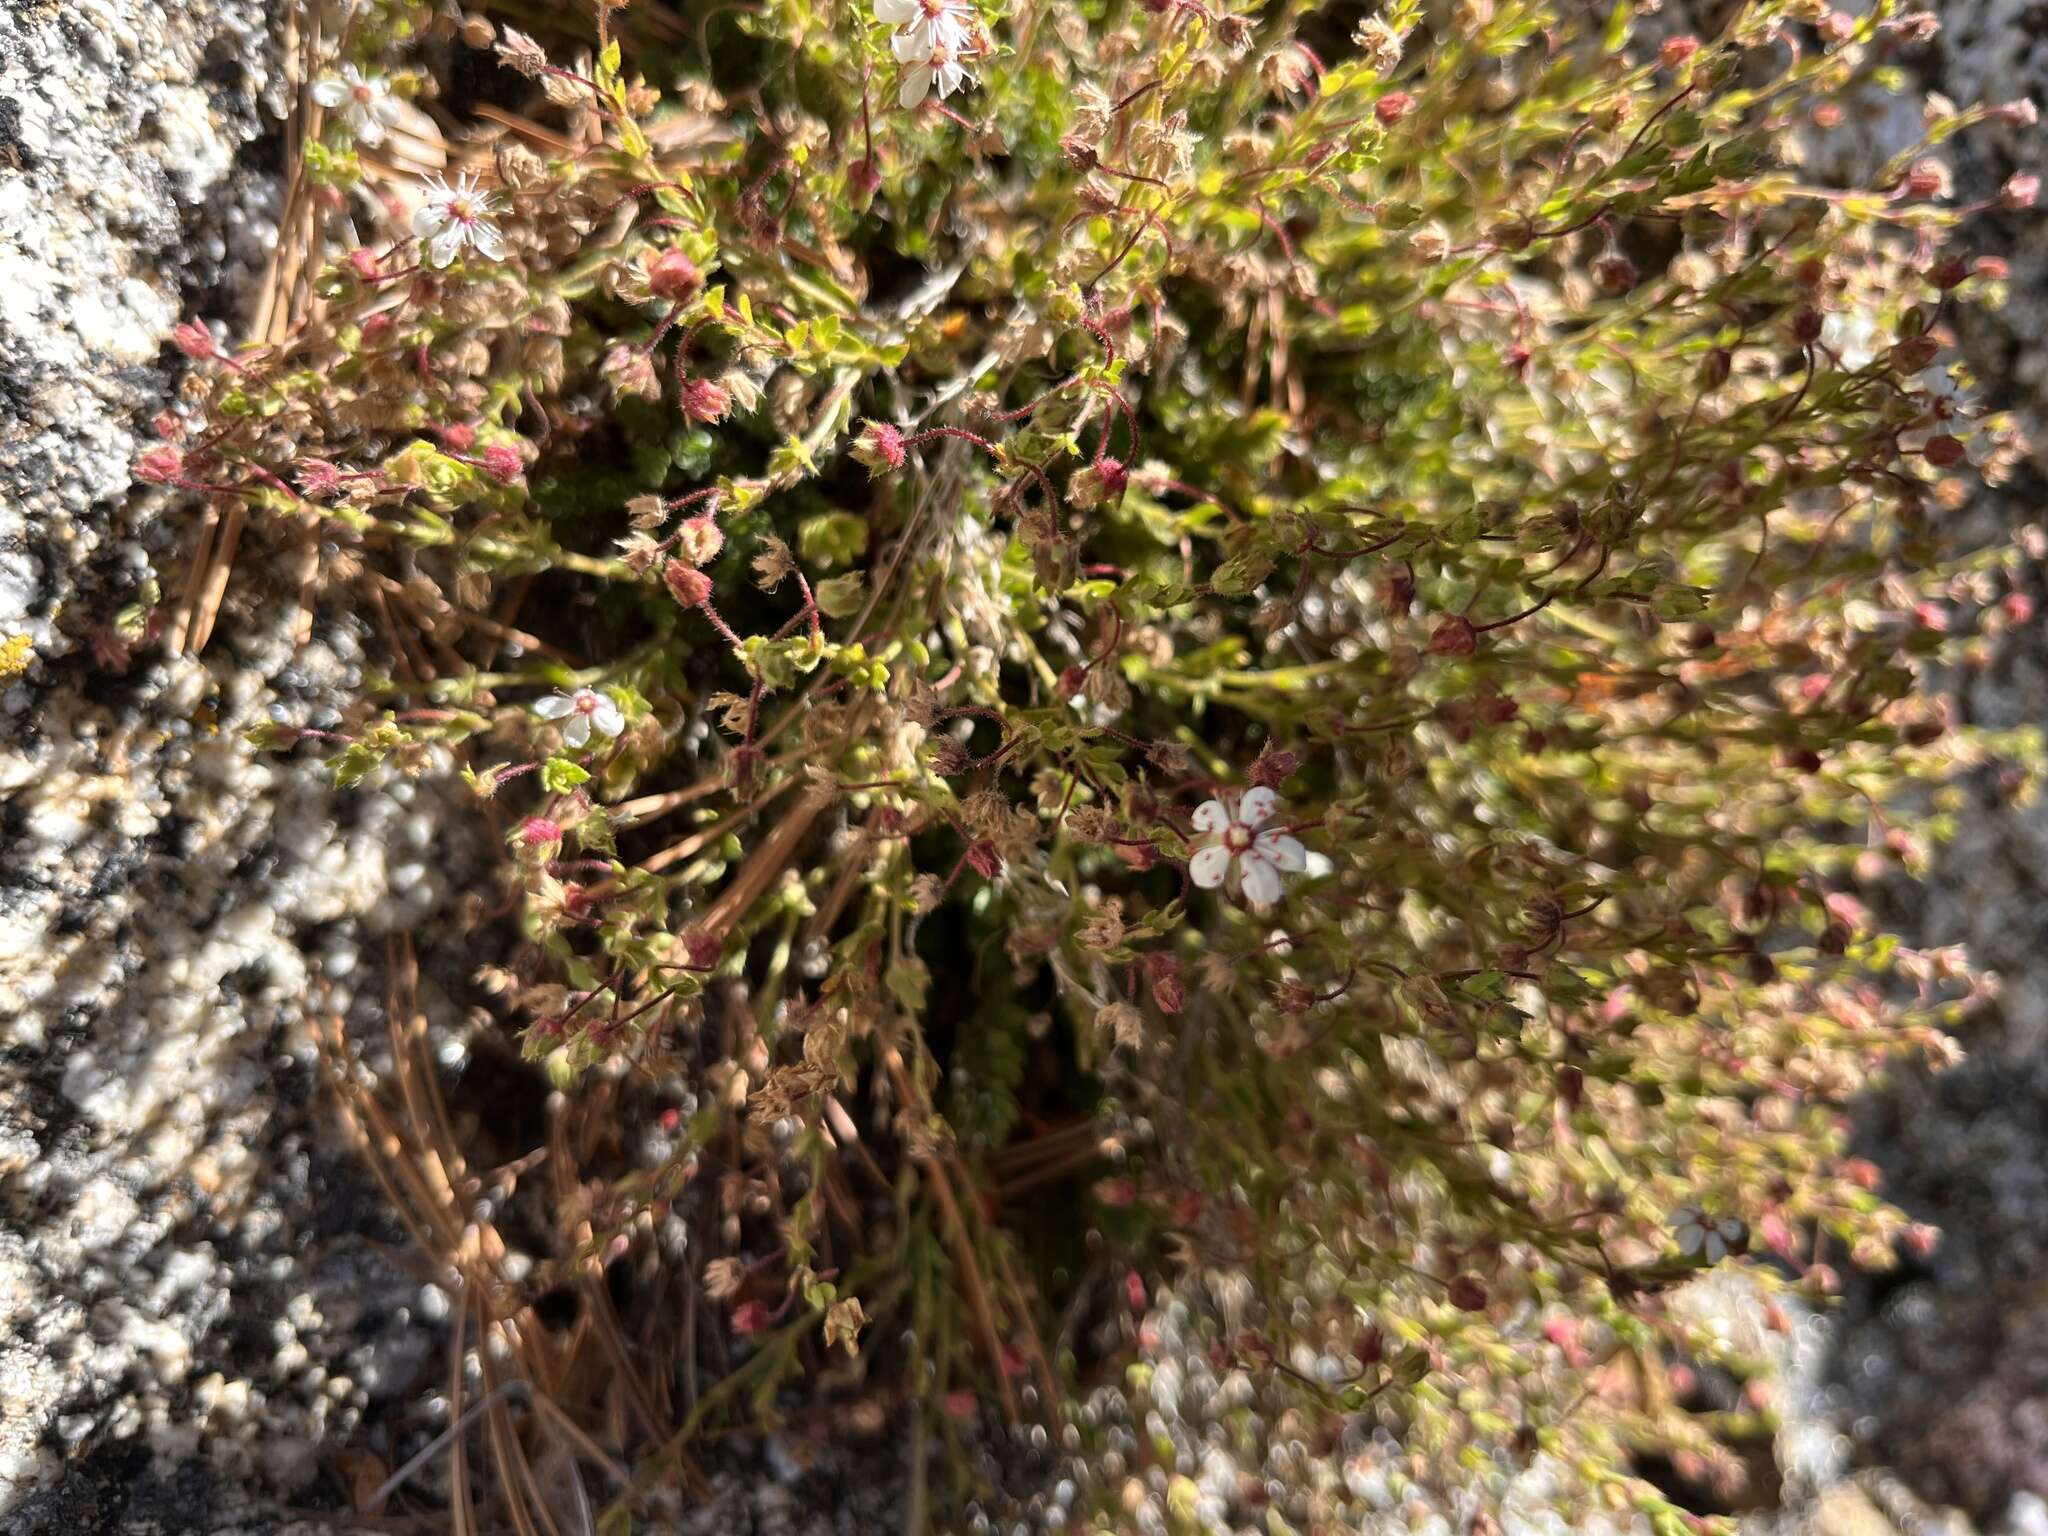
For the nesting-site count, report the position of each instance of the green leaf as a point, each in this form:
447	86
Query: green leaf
560	775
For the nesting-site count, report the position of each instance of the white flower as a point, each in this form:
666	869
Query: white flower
933	37
1697	1234
1950	401
365	102
1852	335
1242	849
452	217
939	66
579	712
927	24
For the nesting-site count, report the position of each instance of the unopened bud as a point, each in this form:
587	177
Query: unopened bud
880	447
674	277
502	462
686	584
704	400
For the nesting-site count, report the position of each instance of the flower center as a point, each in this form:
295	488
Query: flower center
586	704
1237	837
462	210
366	94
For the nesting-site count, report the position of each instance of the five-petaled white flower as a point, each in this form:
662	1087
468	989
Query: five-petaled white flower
933	38
1237	846
452	217
365	102
1699	1233
940	66
581	712
926	24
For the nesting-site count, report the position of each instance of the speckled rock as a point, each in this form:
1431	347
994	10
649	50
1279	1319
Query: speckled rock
194	1304
1940	1370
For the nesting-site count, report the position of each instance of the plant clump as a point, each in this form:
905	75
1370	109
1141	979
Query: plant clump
1134	653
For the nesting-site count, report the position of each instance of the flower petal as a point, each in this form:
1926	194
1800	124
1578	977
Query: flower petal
554	706
442	248
896	13
1257	807
1716	1249
608	718
1210	816
330	92
911	47
915	85
1208	867
576	730
1690	1237
1285	852
365	127
430	218
484	235
1262	884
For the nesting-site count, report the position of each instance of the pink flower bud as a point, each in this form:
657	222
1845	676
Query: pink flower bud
195	341
674	277
536	831
1837	27
318	478
1392	107
1944	452
1927	178
749	1318
880	447
161	465
1948	271
2020	193
363	262
458	437
863	178
1275	767
502	462
705	401
1163	971
686	584
1677	50
2017	114
1455	636
1615	272
699	540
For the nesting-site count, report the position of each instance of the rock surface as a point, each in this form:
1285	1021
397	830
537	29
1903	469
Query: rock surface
1940	1371
172	1295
